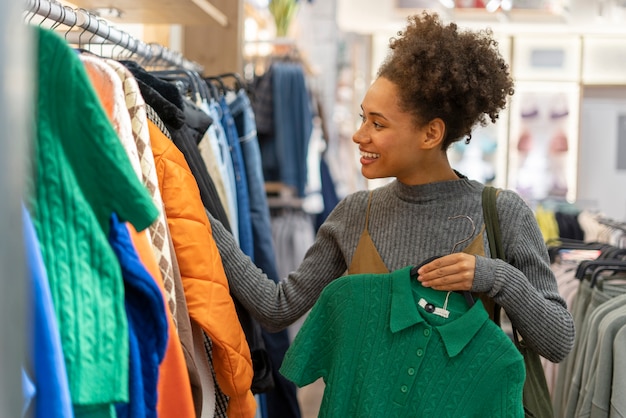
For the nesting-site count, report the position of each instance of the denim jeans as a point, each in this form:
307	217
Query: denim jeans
243	115
246	241
293	120
221	148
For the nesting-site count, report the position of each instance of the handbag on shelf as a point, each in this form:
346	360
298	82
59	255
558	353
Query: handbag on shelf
537	400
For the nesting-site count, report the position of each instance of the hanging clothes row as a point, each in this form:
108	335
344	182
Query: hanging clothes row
125	172
231	152
564	220
293	142
591	277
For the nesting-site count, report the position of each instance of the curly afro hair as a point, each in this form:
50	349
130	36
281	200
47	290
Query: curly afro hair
443	72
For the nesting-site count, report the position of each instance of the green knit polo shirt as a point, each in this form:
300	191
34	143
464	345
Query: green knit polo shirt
382	354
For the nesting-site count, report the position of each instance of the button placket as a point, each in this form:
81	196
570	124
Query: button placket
408	374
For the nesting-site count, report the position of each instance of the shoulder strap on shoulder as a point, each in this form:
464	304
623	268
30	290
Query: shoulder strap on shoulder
492	223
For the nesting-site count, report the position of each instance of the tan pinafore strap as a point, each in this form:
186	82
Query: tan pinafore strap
366	258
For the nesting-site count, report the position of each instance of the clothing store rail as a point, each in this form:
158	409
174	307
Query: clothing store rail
106	33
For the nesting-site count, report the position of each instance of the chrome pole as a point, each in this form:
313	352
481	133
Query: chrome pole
17	90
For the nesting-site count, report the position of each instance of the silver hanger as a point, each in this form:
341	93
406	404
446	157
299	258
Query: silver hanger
469	237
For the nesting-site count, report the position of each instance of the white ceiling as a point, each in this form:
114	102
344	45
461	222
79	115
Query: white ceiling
577	16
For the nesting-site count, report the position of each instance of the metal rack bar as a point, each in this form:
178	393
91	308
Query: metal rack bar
105	32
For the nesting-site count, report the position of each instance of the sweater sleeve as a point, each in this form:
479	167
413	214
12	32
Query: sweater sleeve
277	305
524	285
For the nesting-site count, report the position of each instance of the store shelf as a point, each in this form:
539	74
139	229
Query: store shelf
184	12
513	16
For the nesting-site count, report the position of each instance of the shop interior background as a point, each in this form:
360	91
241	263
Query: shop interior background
561	139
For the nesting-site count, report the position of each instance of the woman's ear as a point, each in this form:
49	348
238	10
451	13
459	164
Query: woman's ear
435	132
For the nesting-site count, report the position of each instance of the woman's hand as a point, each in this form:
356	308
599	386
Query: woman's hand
449	272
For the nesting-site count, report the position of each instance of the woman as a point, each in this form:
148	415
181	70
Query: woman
437	83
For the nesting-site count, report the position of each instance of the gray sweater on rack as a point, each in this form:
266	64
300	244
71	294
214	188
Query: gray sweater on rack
409	224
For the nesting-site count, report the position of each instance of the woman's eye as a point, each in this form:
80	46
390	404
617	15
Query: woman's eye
376	125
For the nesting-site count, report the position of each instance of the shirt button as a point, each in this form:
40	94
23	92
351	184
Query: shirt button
404	389
411	371
426	332
419	352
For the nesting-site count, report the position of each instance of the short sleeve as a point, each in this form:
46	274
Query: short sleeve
320	341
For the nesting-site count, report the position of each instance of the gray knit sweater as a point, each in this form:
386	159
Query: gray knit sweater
409	224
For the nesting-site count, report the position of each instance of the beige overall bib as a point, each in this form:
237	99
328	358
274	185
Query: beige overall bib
366	258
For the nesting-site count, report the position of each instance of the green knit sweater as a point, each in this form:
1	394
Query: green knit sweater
382	354
409	224
81	176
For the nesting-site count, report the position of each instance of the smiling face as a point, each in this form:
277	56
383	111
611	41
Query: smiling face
392	144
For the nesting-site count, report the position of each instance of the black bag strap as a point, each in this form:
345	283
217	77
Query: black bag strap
494	236
537	401
492	223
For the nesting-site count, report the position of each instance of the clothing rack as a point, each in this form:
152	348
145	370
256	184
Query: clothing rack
612	223
104	32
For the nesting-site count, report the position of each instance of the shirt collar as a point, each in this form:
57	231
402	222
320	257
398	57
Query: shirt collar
455	334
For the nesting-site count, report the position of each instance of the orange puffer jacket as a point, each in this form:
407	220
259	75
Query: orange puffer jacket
204	280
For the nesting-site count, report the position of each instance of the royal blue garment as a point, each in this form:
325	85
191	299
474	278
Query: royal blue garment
147	324
136	406
246	240
49	376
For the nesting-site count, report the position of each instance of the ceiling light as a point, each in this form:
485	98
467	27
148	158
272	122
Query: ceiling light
108	12
448	4
492	5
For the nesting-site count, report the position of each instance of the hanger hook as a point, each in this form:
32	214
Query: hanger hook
104	38
85	26
144	59
60	20
150	56
160	56
129	48
73	24
34	12
94	33
47	14
469	237
115	45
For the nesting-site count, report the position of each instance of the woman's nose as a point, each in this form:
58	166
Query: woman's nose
360	135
